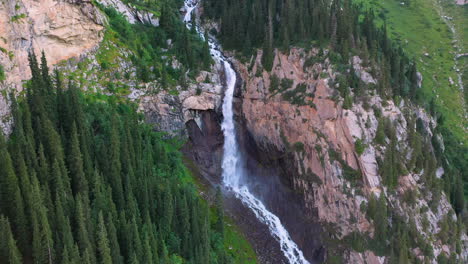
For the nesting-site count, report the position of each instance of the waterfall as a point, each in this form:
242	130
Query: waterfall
231	167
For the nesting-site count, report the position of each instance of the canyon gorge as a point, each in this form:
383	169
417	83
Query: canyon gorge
307	172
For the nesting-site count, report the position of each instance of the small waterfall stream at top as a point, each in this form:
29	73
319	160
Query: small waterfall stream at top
232	172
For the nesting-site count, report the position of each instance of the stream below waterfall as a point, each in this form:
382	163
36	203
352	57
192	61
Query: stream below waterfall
233	173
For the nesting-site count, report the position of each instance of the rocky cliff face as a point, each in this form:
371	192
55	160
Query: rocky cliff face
170	112
70	32
312	126
62	29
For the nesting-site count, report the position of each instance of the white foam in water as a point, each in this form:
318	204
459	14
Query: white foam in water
231	172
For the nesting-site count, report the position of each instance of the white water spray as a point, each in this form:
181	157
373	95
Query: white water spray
232	171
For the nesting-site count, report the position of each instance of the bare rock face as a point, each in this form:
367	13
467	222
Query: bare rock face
321	136
171	112
62	29
322	129
365	76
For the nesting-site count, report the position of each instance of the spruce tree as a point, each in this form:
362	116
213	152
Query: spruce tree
75	164
82	234
11	200
381	222
43	245
8	250
103	242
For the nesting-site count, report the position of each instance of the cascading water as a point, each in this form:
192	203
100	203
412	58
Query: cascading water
232	171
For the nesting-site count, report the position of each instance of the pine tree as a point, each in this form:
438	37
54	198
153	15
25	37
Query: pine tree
390	169
48	92
168	209
219	226
43	169
186	47
380	133
86	258
11	200
65	258
8	250
183	219
206	56
114	174
45	75
268	55
83	238
43	245
75	164
403	256
380	222
459	201
103	242
147	250
63	232
113	241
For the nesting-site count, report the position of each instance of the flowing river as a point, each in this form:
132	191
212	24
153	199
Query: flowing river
233	172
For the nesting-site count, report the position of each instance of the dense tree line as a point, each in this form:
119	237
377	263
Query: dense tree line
149	44
339	25
88	182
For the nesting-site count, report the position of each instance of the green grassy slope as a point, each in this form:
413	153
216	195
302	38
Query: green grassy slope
458	18
424	35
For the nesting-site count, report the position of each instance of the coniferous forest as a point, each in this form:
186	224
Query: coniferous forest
85	181
341	25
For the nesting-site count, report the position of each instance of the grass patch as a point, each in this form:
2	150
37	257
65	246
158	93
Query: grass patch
423	34
237	245
360	146
18	17
299	146
2	73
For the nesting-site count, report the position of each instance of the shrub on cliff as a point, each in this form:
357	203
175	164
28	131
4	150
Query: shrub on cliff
2	73
360	146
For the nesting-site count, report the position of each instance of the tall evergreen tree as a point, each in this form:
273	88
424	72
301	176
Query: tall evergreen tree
75	164
103	242
8	250
11	200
